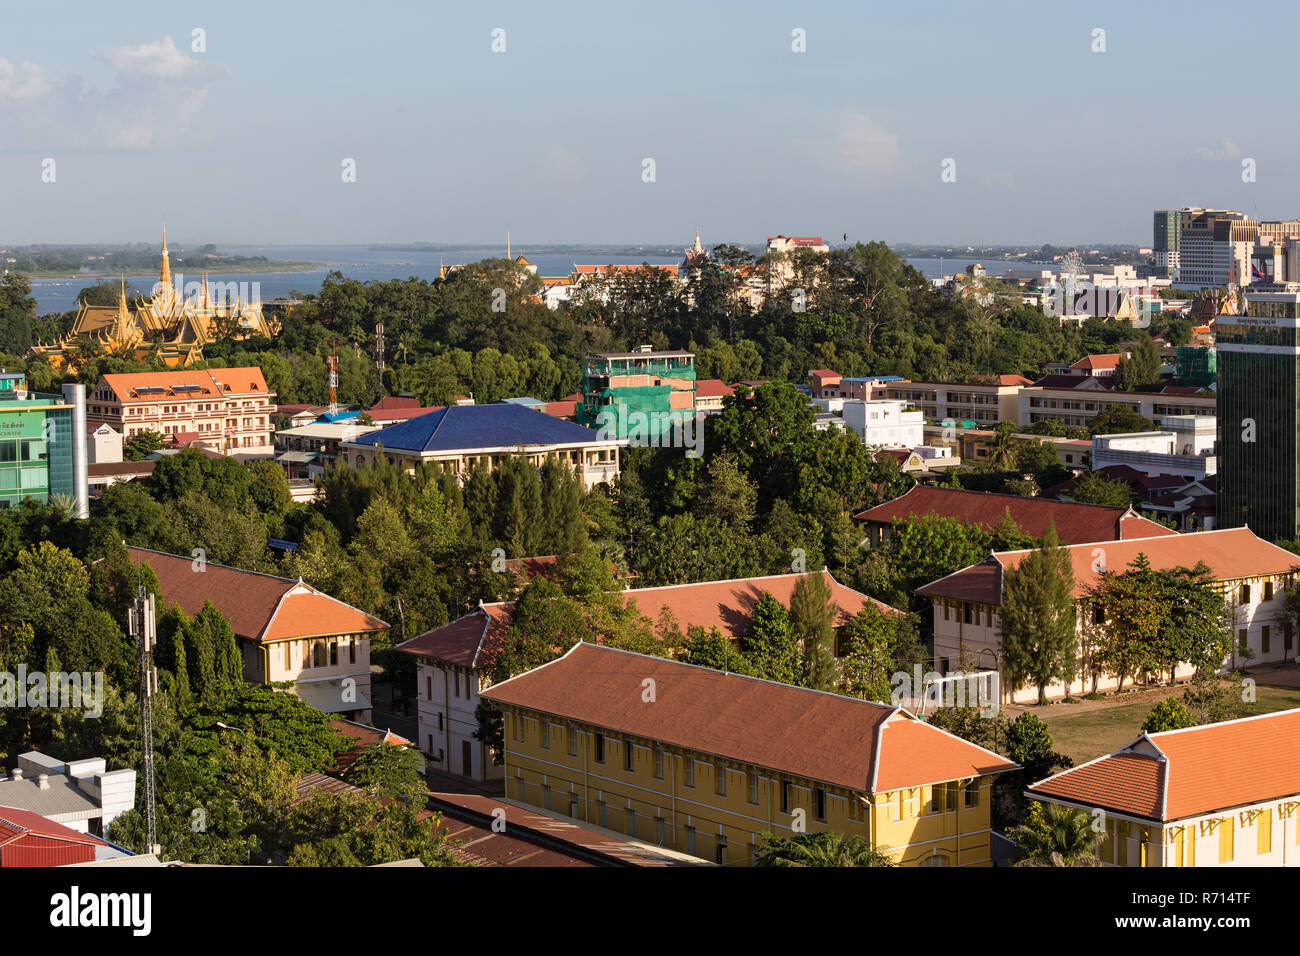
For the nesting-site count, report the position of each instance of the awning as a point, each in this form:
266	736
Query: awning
331	697
298	457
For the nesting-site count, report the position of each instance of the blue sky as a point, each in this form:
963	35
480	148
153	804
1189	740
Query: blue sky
244	143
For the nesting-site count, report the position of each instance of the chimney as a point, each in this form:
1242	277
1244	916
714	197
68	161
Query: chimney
43	782
16	774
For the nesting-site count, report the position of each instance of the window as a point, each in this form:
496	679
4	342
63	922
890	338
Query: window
428	688
720	851
516	721
946	610
719	779
819	804
288	655
352	650
1098	613
1264	639
659	763
1226	839
631	822
440	721
627	755
935	803
688	771
785	796
752	781
661	831
546	796
334	653
935	859
456	675
601	813
573	741
967	612
690	840
1264	832
544	729
1268	590
1243	645
600	748
973	794
950	792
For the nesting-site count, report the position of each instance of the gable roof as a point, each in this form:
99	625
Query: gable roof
472	427
1230	553
16	823
476	639
1096	362
1075	522
838	740
260	607
1191	772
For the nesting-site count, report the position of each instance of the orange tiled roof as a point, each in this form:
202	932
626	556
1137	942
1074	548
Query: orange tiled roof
208	383
837	740
1187	773
1230	553
712	388
475	640
1075	522
1095	362
260	607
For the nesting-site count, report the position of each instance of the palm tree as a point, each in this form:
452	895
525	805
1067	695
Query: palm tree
827	848
64	504
1053	835
1004	450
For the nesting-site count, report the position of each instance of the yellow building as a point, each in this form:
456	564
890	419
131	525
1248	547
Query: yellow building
167	324
704	762
1225	794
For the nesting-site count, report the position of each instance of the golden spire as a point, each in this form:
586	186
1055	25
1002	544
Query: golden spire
165	276
205	291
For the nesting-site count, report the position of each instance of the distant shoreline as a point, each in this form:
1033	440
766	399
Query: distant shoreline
266	268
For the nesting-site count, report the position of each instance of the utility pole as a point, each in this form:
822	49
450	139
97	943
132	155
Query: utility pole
142	627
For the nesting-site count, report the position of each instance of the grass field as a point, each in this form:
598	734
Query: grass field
1090	729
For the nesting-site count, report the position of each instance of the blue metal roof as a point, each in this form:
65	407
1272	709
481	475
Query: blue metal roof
461	427
874	378
525	401
340	417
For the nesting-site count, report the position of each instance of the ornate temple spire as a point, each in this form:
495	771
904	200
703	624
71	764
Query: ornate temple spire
165	276
205	291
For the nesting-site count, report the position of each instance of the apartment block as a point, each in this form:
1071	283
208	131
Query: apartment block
987	402
229	410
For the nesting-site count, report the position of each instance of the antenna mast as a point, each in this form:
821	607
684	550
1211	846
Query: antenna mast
334	381
142	626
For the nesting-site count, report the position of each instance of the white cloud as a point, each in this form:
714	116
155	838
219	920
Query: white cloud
22	83
1224	151
858	144
156	94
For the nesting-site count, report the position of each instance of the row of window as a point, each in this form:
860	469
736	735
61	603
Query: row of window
688	767
319	652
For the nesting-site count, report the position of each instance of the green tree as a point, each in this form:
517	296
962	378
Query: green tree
770	645
1095	488
812	624
1053	835
1141	367
143	444
1119	419
1169	714
1038	619
390	771
826	848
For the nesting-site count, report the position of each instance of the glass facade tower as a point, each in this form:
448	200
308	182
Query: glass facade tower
1259	416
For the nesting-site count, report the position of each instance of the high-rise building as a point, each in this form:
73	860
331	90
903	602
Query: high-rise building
1214	248
1165	242
42	444
1259	414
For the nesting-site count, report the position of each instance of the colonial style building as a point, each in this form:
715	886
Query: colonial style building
229	410
287	630
172	324
1225	794
457	437
454	661
705	762
989	401
1075	523
1252	574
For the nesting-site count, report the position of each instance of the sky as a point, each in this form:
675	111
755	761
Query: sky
234	122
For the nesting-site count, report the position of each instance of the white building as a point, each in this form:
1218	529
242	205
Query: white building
1155	453
882	423
81	794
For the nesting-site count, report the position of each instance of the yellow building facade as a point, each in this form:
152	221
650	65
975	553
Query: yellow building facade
717	806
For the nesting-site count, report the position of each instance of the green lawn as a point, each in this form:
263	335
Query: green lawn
1087	733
